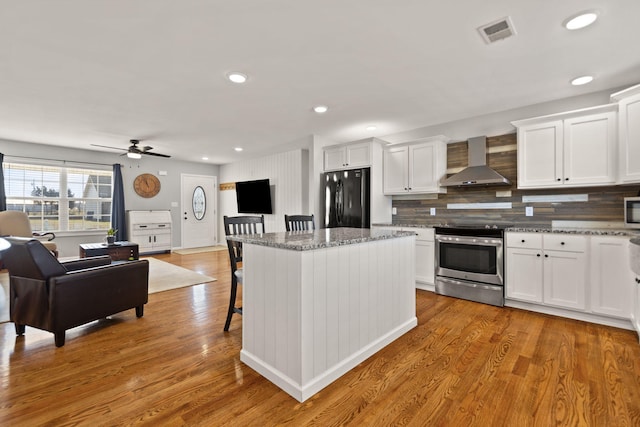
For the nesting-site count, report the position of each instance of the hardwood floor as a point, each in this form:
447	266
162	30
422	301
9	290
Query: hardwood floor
465	364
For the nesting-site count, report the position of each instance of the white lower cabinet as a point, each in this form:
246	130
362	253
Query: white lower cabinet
565	279
425	255
151	230
612	289
579	276
524	274
635	318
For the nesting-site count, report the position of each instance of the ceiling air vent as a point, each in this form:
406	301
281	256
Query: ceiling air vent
497	30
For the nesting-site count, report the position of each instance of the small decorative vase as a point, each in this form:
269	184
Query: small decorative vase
111	240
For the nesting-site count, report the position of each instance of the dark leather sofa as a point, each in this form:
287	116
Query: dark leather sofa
56	296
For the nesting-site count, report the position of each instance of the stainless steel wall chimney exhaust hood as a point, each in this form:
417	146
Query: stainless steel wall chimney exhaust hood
477	173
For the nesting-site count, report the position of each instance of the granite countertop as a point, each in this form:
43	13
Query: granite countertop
318	239
540	228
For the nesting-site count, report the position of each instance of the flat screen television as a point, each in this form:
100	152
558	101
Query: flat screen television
254	197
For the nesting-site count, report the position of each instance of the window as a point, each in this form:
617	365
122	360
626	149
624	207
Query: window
83	204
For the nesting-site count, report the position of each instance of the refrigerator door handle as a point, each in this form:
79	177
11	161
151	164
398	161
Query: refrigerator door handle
339	202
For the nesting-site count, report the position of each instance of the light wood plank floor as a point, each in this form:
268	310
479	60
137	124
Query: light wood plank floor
466	364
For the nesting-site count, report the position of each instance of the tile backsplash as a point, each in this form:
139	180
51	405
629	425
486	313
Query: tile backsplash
602	203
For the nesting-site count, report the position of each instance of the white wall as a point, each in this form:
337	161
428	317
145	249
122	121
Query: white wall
288	175
170	183
499	123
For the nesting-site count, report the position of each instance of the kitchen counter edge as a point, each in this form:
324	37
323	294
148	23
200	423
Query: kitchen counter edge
539	229
318	239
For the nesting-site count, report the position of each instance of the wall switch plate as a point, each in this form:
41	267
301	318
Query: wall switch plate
505	193
432	211
162	173
174	204
394	211
528	211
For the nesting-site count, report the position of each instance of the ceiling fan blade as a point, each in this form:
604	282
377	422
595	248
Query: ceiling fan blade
150	153
106	146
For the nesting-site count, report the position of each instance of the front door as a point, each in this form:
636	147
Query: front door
198	214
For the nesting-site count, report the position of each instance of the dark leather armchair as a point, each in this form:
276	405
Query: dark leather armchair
55	296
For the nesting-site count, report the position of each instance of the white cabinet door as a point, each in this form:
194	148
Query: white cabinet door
612	289
395	167
629	139
636	307
425	262
523	272
358	155
414	168
590	149
540	151
335	158
572	149
424	171
565	279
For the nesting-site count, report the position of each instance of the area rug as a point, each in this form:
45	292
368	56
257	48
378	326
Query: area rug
163	276
199	250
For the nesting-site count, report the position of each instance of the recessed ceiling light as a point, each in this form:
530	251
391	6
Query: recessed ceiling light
582	80
238	149
205	158
371	127
237	77
320	109
581	20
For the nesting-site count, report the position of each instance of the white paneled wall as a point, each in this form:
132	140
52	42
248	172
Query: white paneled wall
288	175
310	316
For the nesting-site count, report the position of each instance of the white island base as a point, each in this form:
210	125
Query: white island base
309	316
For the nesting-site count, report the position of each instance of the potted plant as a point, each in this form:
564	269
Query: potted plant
111	236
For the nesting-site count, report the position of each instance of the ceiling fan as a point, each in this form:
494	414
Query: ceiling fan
135	152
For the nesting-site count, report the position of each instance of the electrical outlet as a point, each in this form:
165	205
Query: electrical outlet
394	211
432	211
528	211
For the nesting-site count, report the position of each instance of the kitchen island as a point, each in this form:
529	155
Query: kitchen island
318	303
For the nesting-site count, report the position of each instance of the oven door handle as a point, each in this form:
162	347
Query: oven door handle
467	240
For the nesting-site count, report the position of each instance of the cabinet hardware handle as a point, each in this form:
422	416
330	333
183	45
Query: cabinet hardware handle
538	255
522	240
562	243
566	179
637	280
546	256
558	179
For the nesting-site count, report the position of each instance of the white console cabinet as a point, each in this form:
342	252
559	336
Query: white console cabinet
151	230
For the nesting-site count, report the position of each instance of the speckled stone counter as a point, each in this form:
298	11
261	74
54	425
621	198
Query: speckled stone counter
584	231
531	228
318	239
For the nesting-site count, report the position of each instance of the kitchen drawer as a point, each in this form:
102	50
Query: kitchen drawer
425	234
524	240
563	242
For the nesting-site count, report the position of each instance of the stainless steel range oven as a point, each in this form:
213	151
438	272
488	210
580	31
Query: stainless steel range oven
470	263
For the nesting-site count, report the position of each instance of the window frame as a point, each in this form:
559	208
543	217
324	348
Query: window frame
65	218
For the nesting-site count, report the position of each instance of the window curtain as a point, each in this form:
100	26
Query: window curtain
118	220
3	195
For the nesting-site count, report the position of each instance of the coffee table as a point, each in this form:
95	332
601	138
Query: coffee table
120	251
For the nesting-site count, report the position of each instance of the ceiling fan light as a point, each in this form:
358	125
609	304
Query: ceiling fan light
132	155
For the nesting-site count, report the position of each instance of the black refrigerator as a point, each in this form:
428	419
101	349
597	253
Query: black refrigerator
346	198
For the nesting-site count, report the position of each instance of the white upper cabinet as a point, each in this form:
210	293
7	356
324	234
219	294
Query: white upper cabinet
415	167
573	149
628	134
347	156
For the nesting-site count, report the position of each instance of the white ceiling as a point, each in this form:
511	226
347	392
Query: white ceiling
77	72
